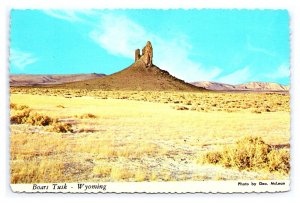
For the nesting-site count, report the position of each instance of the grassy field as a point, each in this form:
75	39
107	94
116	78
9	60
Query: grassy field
71	135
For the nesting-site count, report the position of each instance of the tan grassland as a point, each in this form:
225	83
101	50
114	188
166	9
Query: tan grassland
74	135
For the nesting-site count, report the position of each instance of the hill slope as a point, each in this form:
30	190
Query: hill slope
139	77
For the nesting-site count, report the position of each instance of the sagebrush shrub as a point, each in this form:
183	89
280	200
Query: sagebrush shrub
88	115
20	117
18	107
39	120
250	153
27	117
62	128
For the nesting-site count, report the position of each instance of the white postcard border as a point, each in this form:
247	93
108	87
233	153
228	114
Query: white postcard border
241	186
8	196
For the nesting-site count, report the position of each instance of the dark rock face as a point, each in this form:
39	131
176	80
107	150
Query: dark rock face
147	54
137	55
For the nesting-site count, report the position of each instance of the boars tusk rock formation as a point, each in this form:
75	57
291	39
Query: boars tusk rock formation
142	75
147	55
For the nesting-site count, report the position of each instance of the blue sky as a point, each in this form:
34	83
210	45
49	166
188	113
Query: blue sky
229	46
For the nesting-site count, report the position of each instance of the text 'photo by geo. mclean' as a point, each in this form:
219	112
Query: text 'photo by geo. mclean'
146	100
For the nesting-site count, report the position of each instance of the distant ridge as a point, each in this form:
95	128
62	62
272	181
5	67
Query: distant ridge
48	79
251	86
264	86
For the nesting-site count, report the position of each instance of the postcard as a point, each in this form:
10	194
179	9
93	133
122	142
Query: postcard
149	100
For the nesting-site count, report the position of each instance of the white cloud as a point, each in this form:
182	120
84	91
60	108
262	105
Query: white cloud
237	77
118	35
21	59
121	36
70	15
174	57
283	71
264	51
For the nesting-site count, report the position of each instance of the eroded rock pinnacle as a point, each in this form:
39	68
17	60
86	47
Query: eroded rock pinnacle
147	54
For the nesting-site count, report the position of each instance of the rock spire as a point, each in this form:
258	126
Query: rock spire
147	54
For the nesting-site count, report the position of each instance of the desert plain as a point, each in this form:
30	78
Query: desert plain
71	135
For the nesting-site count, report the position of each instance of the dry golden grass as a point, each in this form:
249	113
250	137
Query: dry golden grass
121	174
138	136
102	170
206	101
140	175
34	158
35	172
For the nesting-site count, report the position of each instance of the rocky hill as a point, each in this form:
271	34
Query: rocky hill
141	75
